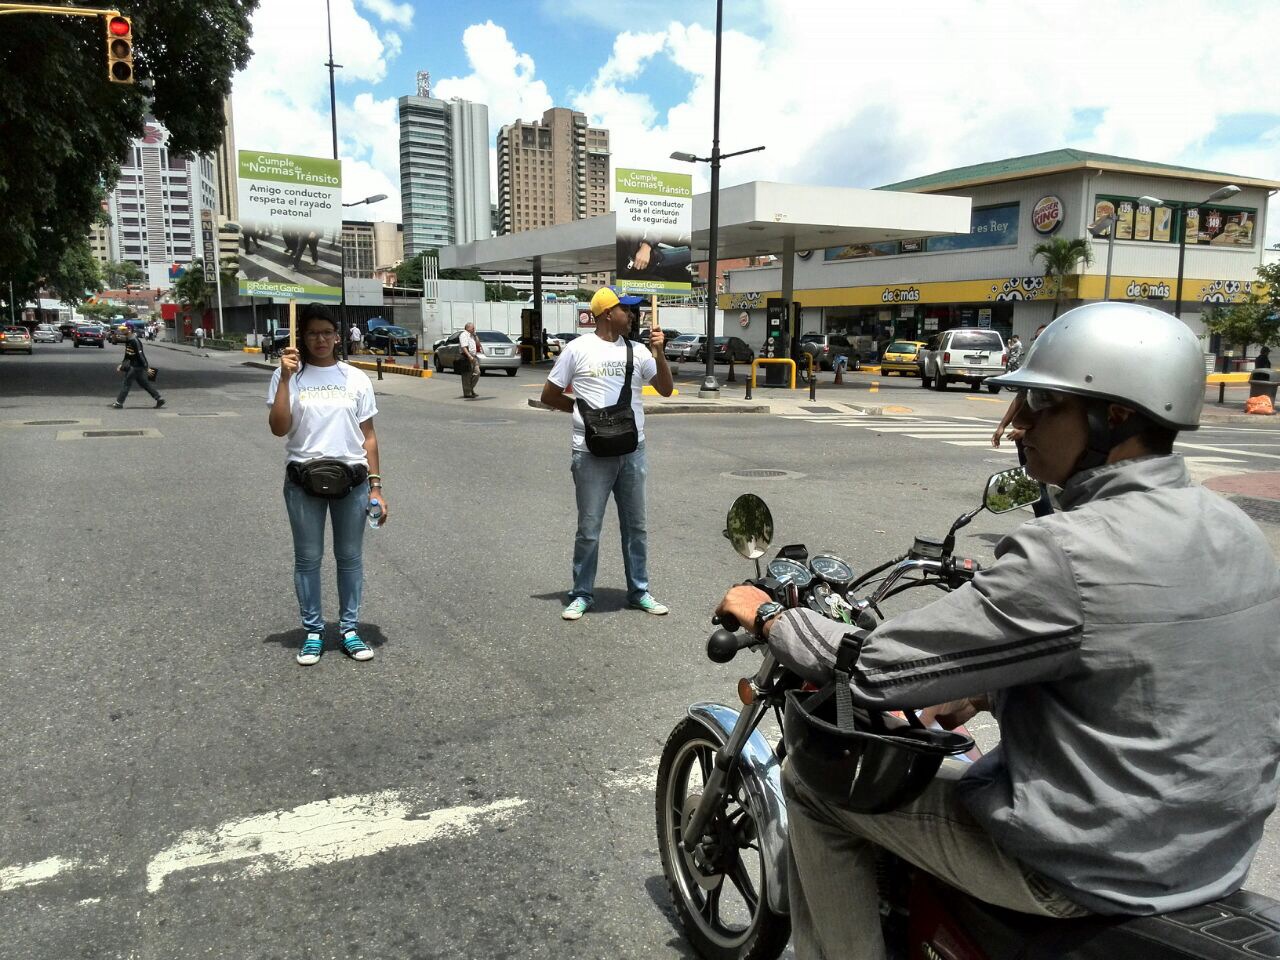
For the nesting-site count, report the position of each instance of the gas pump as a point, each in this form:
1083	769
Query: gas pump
775	341
531	331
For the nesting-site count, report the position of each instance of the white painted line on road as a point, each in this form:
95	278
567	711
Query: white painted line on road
1211	460
982	443
30	874
644	780
322	832
1239	453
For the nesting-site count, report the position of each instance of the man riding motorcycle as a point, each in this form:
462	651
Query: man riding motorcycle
1126	645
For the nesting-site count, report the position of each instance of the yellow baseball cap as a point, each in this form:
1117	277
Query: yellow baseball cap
607	298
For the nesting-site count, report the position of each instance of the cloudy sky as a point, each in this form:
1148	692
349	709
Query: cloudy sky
841	92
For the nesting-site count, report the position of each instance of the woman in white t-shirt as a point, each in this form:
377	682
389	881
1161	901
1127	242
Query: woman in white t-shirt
325	409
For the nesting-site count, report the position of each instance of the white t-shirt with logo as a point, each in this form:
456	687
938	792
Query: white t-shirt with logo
328	404
595	369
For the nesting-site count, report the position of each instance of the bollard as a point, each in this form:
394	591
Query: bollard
813	381
379	368
840	362
748	379
731	378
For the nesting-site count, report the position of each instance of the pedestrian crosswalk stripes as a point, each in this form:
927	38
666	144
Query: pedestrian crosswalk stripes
975	432
955	431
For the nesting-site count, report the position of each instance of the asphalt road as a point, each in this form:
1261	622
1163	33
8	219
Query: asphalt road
173	785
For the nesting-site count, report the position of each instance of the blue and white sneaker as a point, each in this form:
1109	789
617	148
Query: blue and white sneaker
356	648
649	605
312	647
576	608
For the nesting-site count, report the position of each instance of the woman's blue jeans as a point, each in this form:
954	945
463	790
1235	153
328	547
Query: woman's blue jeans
306	518
594	478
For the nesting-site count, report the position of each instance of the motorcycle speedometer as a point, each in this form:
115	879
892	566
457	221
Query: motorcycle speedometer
831	570
788	571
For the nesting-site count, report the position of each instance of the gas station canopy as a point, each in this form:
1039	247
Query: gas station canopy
756	219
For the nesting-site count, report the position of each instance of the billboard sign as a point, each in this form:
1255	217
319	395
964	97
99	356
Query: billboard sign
655	231
290	227
210	251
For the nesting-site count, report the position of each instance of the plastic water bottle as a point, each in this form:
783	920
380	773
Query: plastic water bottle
375	514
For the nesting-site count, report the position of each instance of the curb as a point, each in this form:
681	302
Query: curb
392	368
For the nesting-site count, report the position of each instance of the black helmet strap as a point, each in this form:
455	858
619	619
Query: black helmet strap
1103	438
846	659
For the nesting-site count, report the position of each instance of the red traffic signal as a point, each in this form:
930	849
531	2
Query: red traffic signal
119	49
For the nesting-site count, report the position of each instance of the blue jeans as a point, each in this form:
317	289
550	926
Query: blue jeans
594	478
306	518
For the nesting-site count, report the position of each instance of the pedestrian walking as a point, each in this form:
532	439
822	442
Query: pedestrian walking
200	336
324	407
1263	360
608	373
469	358
136	370
1015	352
354	337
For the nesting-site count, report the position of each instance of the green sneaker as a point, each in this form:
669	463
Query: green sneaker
650	605
576	608
356	648
312	647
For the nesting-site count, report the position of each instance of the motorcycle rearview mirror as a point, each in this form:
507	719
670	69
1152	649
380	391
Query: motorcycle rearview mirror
749	526
1010	489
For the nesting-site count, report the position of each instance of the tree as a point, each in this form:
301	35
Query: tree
1270	275
119	274
1060	257
65	128
76	273
1244	323
502	293
191	291
409	273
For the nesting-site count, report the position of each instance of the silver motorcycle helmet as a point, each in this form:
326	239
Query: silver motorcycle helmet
1124	353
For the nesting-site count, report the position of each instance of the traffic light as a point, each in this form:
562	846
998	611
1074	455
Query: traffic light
119	49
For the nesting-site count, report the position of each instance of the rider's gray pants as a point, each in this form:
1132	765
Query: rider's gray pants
835	911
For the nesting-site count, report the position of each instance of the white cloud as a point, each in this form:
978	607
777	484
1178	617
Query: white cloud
862	94
501	77
282	97
398	13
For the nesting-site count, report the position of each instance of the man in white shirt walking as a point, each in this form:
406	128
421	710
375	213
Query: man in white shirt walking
596	368
469	344
354	337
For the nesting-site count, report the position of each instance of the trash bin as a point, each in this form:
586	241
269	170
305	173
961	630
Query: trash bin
1263	383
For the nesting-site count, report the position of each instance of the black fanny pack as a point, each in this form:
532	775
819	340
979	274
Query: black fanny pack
327	478
611	431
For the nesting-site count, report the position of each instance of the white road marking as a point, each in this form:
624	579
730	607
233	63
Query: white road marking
983	443
30	874
1239	453
322	832
644	780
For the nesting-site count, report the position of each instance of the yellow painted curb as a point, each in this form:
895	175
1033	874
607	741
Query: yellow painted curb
392	368
252	349
650	392
1227	378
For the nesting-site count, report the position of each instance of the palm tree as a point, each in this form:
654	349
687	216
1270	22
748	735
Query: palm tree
1061	256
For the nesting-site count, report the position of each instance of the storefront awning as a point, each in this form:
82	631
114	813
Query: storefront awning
756	219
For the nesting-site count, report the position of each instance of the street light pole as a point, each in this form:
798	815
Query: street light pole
710	388
1095	228
1230	190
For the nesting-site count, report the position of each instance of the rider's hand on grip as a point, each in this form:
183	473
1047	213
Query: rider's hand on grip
728	621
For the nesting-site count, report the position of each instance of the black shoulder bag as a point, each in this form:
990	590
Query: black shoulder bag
611	431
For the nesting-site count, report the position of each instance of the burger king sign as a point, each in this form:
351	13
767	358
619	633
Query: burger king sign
1047	215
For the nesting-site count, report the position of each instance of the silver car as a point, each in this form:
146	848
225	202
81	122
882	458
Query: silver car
47	333
969	354
687	346
500	352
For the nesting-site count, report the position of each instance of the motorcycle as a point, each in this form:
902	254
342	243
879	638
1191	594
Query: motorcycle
722	822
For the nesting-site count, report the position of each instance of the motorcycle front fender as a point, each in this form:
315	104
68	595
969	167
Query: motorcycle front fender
761	772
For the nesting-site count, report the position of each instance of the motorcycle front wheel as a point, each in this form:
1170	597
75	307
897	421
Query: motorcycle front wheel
719	889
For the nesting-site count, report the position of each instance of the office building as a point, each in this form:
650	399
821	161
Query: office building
444	170
226	170
155	206
551	171
371	249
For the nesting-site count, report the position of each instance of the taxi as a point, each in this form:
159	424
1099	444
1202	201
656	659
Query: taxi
900	358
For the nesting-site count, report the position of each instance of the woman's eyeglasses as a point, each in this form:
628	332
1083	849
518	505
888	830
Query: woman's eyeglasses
320	335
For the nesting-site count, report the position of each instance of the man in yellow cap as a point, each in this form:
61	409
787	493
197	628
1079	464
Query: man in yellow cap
599	368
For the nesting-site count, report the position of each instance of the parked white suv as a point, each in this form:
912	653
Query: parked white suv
971	354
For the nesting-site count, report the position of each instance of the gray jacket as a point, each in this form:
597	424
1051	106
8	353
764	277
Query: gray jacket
1130	642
